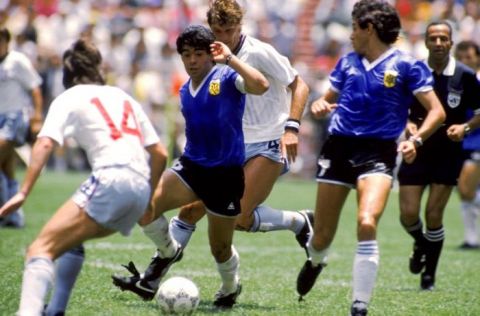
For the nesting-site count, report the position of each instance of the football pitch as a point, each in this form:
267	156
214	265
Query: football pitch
269	263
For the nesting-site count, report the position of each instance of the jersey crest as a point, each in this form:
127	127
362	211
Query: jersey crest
454	99
214	87
390	78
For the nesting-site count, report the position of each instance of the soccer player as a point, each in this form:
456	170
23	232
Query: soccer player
113	129
210	169
468	52
440	159
270	123
371	90
19	85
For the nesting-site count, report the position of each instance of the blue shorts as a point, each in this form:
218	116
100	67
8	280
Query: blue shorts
114	197
269	149
14	126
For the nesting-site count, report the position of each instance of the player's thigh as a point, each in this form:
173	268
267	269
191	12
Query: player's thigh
469	180
171	193
260	176
6	151
372	191
68	227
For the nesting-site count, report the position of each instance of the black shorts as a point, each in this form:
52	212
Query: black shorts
219	188
438	161
343	159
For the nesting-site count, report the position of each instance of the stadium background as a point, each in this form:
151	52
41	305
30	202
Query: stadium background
137	40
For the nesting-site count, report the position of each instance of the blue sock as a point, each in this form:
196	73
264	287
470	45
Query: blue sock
67	269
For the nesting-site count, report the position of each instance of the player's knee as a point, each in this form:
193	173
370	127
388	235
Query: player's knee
466	193
221	251
191	213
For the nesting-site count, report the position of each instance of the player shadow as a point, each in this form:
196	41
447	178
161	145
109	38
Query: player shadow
206	306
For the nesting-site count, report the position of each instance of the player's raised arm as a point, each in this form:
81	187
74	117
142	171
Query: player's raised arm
255	81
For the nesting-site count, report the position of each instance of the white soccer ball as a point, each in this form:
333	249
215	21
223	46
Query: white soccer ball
178	295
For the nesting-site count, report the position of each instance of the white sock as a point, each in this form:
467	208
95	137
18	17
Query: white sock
158	232
365	267
269	219
38	277
229	272
316	256
181	231
470	214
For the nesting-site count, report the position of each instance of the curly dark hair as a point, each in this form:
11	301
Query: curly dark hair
383	17
224	12
197	36
81	64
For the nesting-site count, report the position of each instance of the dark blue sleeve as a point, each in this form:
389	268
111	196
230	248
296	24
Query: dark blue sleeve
337	76
419	76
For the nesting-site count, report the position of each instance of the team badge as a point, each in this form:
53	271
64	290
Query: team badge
214	88
390	78
454	99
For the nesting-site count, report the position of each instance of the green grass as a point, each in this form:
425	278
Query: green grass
269	264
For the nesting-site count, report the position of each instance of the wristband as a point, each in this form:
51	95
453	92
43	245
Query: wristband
416	140
292	125
466	129
228	58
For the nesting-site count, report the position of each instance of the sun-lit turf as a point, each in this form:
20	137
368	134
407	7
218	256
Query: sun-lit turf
269	264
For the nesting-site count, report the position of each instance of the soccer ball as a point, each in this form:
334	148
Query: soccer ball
178	295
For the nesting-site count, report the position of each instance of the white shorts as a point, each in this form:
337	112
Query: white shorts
114	197
268	149
14	126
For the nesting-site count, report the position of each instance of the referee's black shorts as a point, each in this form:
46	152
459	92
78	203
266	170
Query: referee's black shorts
439	160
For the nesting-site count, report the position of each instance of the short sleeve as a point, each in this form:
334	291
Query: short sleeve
419	78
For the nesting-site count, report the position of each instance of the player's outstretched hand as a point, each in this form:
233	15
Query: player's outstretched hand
320	108
13	204
408	151
220	52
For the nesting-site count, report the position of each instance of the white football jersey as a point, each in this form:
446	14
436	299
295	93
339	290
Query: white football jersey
106	122
17	79
265	115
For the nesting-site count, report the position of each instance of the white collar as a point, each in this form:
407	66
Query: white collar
381	58
449	70
193	91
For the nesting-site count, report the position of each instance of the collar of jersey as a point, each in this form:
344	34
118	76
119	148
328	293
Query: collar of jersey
368	66
194	92
449	70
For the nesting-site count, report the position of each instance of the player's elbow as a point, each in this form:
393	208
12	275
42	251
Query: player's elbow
260	87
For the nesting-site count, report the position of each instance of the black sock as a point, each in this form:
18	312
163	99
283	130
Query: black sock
434	238
416	231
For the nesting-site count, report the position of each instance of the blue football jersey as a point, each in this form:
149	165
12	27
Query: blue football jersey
213	115
374	98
